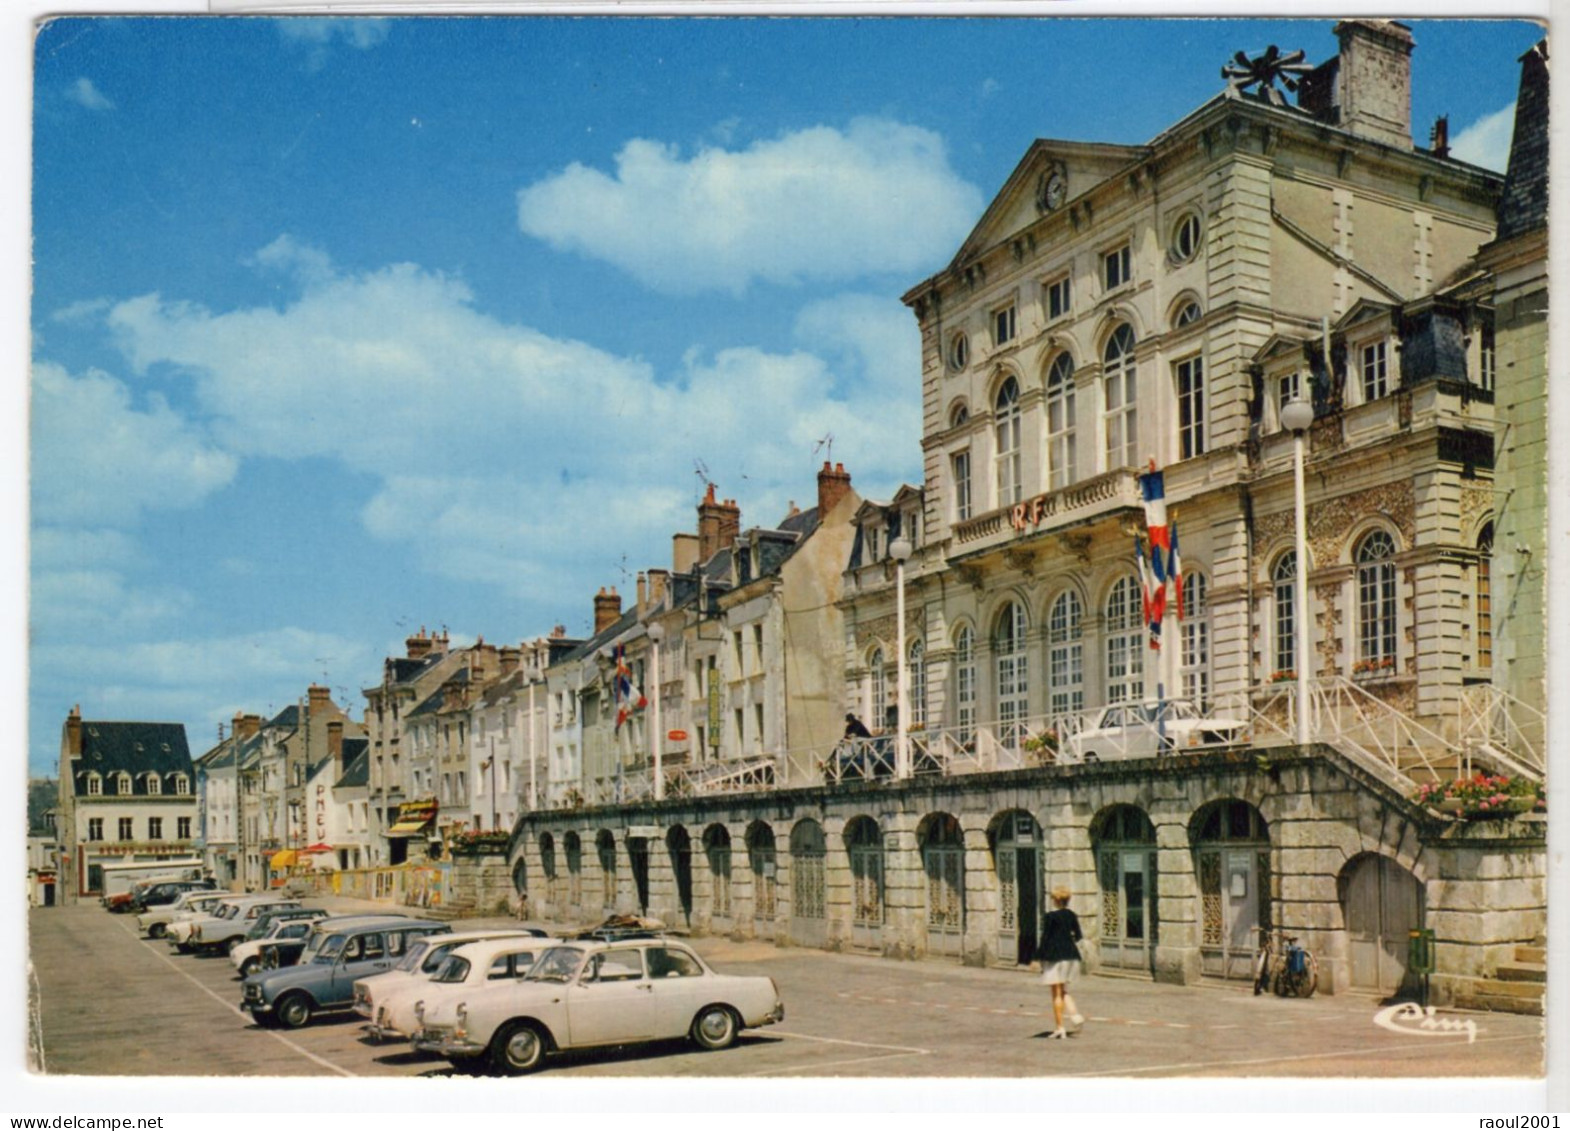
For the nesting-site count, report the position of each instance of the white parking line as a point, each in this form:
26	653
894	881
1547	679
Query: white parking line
1130	1070
895	1052
279	1037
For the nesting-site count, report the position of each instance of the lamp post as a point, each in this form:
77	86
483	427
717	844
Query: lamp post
900	552
490	764
656	634
1296	416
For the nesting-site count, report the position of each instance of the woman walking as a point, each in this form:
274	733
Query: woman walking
1059	956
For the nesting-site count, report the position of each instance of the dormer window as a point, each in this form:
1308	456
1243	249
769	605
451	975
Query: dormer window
872	544
154	785
122	784
95	785
1373	370
181	785
1003	325
1286	392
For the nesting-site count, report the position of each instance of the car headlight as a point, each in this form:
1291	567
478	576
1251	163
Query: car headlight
461	1027
419	1012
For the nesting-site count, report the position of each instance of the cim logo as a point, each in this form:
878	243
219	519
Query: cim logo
1411	1018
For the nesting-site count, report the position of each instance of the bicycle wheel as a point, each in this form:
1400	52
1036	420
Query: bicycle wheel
1309	981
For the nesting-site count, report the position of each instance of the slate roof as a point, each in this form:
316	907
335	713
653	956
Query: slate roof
135	748
433	702
288	717
357	764
1523	203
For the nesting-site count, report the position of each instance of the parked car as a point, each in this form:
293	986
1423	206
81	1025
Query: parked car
154	922
166	892
325	982
375	997
247	954
463	970
584	994
1152	728
281	952
228	921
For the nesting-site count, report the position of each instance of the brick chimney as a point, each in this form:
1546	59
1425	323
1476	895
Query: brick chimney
335	746
319	698
419	645
246	726
509	658
483	661
643	592
718	525
833	485
1375	81
659	585
684	552
73	732
607	608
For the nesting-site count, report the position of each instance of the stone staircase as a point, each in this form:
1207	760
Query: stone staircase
1517	986
447	912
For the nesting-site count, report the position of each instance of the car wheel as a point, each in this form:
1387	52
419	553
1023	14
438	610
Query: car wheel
157	931
294	1011
233	944
518	1048
250	966
714	1027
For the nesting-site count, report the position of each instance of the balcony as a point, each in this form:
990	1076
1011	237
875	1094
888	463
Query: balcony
1079	503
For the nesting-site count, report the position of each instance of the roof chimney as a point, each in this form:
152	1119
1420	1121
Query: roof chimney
1376	80
643	592
419	645
718	525
684	552
607	608
659	582
247	726
318	698
73	732
335	746
833	485
509	657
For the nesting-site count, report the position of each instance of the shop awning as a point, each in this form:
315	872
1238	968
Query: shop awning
285	858
414	817
316	849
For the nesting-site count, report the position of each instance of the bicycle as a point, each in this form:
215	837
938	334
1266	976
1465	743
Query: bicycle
1287	969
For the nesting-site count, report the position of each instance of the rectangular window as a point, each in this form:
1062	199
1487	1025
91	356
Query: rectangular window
961	464
125	832
1485	358
757	727
1003	325
183	827
1374	382
1059	298
757	647
736	645
95	828
741	730
1115	267
1286	393
1191	407
155	828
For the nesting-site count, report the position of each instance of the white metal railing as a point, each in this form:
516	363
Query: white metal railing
1494	725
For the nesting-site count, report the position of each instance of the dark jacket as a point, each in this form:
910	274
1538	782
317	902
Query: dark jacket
1059	932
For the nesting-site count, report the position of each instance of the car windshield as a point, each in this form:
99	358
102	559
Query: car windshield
329	948
435	957
454	969
558	964
411	959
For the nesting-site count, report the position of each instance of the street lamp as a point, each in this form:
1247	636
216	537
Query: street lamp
490	764
1296	416
656	634
899	550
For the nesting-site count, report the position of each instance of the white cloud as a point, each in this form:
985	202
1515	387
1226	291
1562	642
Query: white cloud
1486	142
512	457
85	94
357	31
97	458
819	204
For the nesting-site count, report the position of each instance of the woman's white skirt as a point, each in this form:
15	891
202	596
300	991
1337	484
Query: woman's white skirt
1060	973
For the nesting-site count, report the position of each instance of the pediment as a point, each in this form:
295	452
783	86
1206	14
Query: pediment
1278	346
1032	189
1364	310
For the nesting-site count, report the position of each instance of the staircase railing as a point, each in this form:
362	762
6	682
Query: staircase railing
1492	722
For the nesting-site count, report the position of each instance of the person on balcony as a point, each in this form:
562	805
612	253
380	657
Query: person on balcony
855	728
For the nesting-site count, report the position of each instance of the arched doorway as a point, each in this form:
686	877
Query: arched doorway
716	846
638	863
1016	860
555	884
605	849
1232	853
572	847
679	844
943	860
1382	904
1125	845
761	859
808	915
864	845
520	877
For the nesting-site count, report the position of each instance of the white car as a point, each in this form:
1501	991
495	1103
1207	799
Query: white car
419	965
247	955
1151	729
583	994
155	923
223	924
462	969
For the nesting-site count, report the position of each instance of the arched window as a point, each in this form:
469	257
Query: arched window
1121	404
95	785
959	415
122	783
1483	607
1012	685
1187	314
879	687
1376	603
965	682
916	673
1060	423
1196	639
182	785
1065	656
1283	590
1006	421
1125	629
155	784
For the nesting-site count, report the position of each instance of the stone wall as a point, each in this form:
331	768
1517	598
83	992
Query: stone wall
1483	884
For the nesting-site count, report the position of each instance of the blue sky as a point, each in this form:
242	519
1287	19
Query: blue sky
341	328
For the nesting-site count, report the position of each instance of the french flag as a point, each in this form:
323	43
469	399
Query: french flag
1153	592
628	698
1175	568
1153	488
